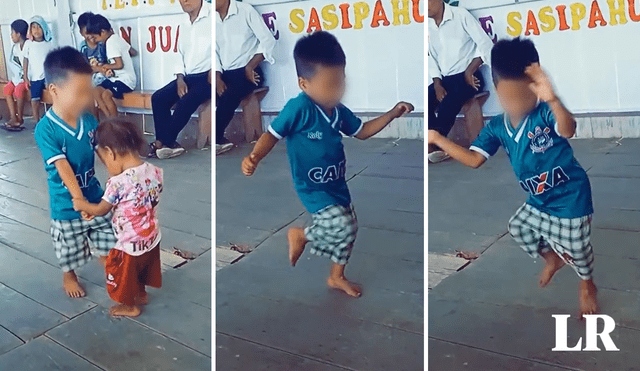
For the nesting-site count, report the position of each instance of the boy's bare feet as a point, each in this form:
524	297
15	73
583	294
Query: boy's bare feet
552	264
341	283
142	299
588	298
297	241
122	310
71	285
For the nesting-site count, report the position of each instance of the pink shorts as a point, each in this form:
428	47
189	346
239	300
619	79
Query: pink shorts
17	91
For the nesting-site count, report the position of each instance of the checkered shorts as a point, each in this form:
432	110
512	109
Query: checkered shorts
71	240
538	232
333	232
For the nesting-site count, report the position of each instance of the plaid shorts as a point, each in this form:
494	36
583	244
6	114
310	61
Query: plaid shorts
333	232
71	240
538	232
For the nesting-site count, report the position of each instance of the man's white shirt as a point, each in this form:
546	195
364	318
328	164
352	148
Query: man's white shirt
194	43
241	35
456	42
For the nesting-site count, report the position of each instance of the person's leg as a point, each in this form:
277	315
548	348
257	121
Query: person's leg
9	90
110	108
20	94
238	87
35	109
458	92
37	87
297	242
161	102
72	250
524	229
338	281
198	92
150	274
432	106
122	284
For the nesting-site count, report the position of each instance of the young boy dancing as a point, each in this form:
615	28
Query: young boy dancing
555	221
66	138
313	124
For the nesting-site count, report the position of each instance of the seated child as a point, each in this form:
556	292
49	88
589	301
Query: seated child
35	51
94	52
66	139
313	124
555	221
133	192
121	76
16	88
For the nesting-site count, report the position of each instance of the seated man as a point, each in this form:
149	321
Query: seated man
457	48
192	86
243	41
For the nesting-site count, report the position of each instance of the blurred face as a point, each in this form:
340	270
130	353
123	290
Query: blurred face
516	98
110	160
97	38
189	6
36	32
434	7
15	37
73	96
327	85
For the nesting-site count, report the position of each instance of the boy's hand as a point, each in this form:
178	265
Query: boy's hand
86	216
432	136
541	85
79	204
249	165
401	108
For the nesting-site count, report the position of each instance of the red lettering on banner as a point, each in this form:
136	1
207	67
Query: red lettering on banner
314	21
562	17
532	25
344	11
151	45
126	34
596	15
379	16
167	47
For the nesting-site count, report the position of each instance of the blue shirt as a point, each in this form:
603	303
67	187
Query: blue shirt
543	162
315	150
99	53
57	141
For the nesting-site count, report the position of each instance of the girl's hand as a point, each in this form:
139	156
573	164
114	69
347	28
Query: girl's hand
540	85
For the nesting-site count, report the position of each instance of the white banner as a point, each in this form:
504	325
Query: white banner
383	42
587	47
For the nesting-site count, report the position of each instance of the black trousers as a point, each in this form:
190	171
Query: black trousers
238	87
168	125
458	92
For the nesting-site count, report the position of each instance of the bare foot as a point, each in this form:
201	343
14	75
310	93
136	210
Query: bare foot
142	299
71	285
552	264
122	310
14	122
588	298
102	260
297	241
341	283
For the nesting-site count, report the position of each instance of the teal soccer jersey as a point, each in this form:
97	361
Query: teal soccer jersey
543	162
315	151
56	141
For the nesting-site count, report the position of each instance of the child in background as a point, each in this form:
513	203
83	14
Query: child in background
555	221
35	51
16	88
96	54
119	67
66	139
313	124
133	192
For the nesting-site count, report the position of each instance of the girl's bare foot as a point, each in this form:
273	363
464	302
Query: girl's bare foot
297	241
552	264
142	299
71	285
341	283
122	310
588	298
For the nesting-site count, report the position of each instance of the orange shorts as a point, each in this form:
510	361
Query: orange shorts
128	275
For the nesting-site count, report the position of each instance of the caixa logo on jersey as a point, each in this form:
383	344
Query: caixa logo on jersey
539	184
328	174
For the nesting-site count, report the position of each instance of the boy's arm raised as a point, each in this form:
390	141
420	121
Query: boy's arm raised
265	144
463	155
373	127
